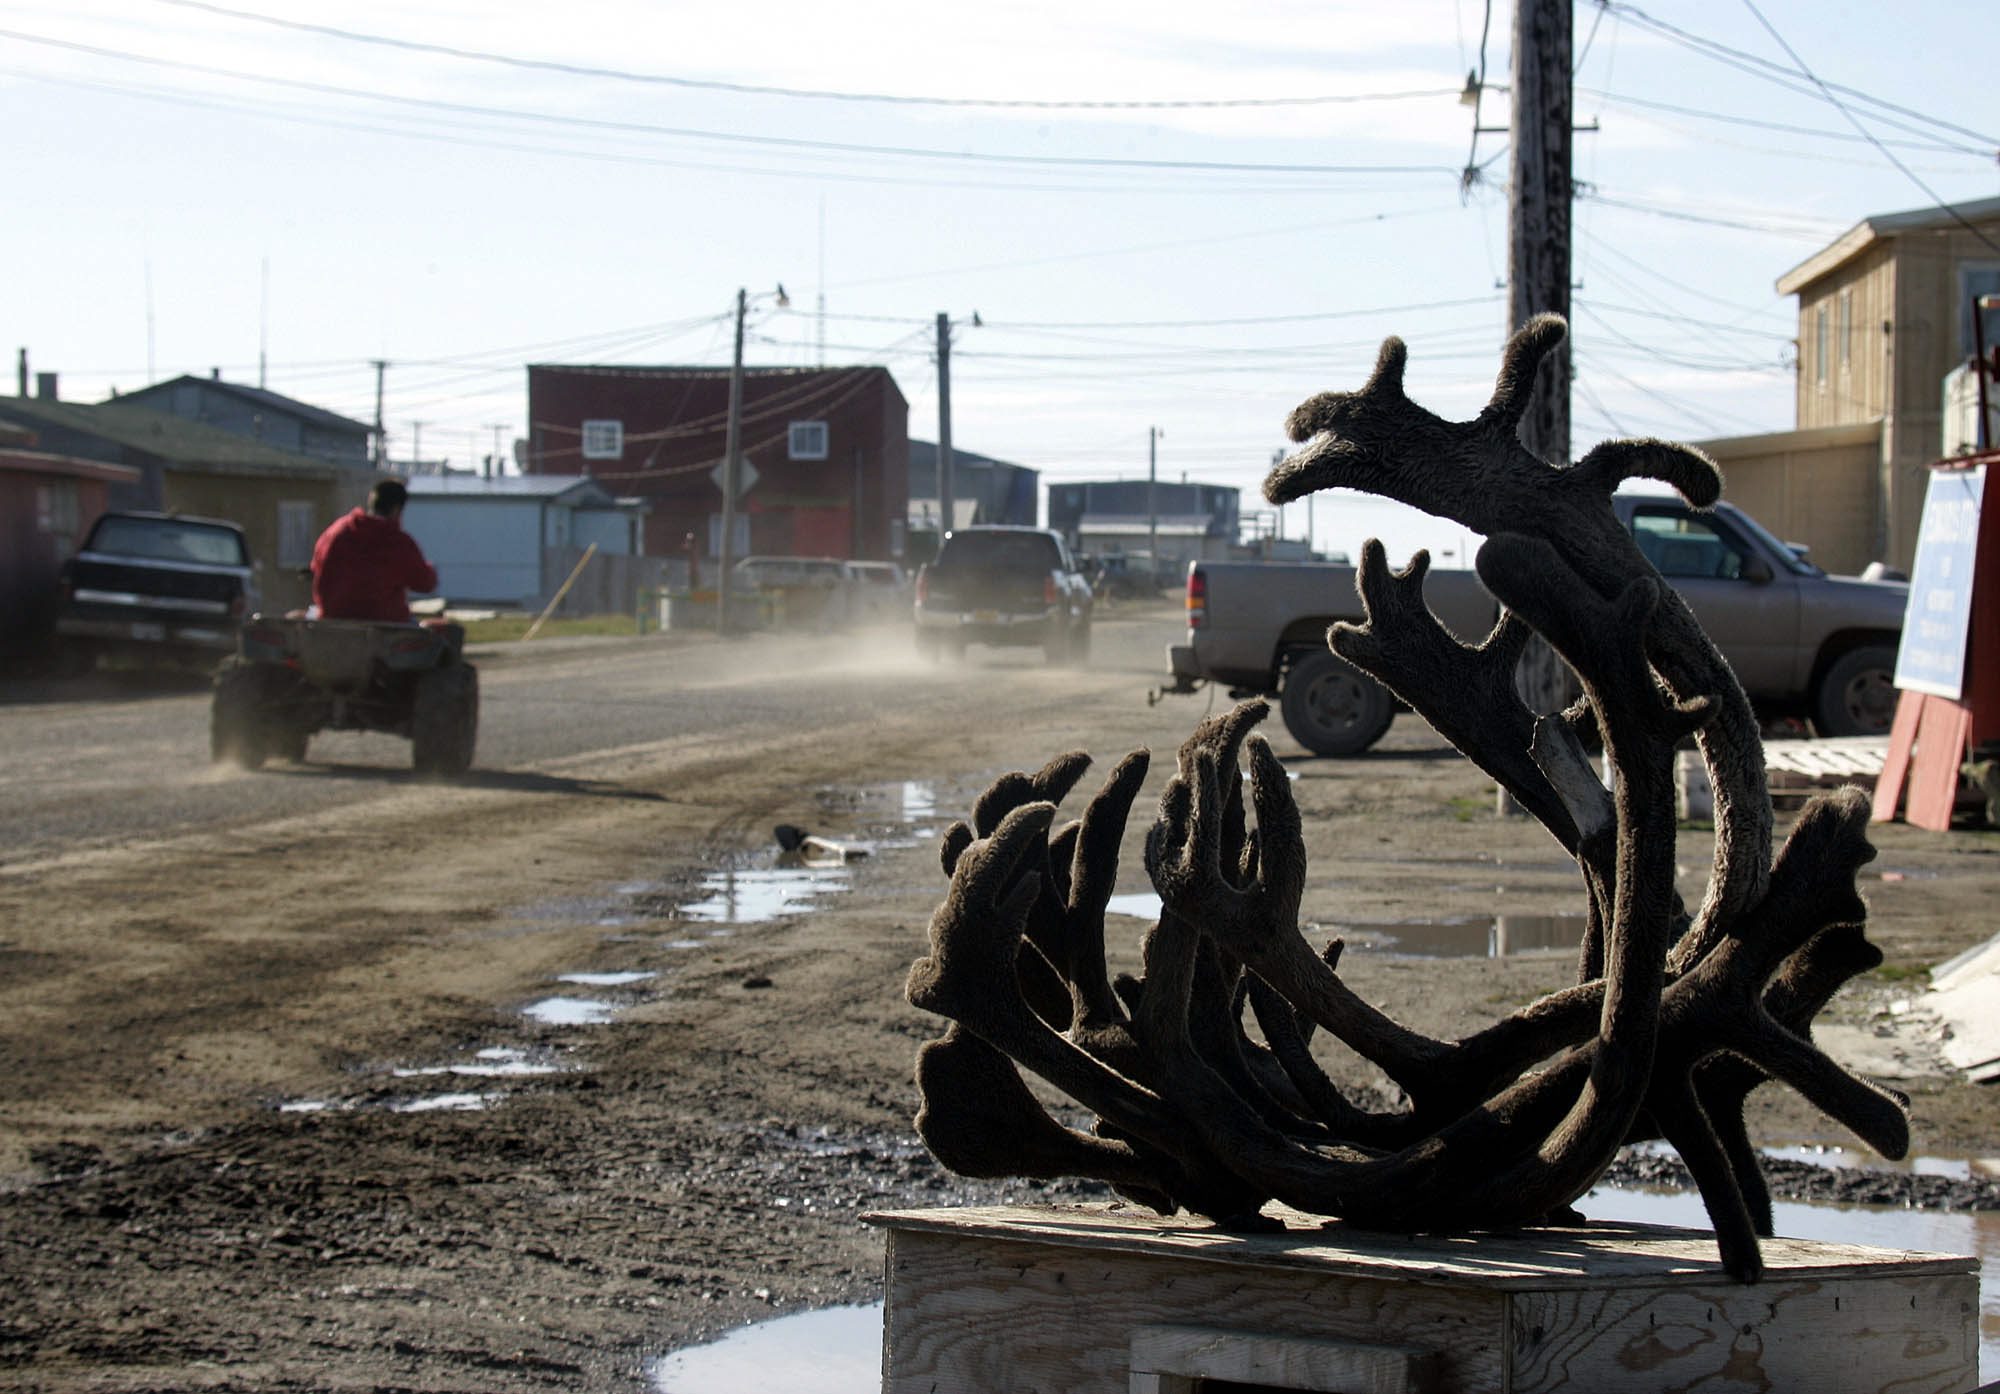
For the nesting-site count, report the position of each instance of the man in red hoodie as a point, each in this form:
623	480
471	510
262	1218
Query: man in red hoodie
364	563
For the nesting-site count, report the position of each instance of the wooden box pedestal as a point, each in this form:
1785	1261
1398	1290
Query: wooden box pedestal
1109	1300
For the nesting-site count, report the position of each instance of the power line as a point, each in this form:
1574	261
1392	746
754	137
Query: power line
1785	77
762	90
799	143
1887	154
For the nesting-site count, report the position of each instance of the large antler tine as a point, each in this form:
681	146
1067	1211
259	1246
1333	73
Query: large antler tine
1696	477
1519	362
1054	780
1281	869
1001	797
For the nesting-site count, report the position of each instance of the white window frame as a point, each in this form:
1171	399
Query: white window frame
1820	344
807	440
603	439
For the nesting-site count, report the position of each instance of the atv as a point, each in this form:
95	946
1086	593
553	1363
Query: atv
291	677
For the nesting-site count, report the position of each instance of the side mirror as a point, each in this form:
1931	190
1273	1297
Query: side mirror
1756	571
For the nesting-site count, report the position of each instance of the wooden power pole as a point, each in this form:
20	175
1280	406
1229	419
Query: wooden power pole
1538	271
946	505
1538	208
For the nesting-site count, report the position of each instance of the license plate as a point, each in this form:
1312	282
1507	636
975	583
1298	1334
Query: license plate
150	633
985	616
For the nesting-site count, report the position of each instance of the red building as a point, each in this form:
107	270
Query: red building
825	453
47	504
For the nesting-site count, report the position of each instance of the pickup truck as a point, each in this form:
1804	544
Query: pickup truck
1004	586
1802	643
161	587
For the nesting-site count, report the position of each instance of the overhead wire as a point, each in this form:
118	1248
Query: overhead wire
816	94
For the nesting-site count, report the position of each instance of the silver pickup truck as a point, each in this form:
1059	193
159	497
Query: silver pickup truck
1803	643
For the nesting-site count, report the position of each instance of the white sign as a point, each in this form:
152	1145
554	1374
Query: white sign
746	475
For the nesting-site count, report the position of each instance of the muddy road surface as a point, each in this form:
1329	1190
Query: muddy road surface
328	1078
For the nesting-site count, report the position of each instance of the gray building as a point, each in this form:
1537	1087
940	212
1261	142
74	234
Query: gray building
1125	517
270	418
983	490
512	541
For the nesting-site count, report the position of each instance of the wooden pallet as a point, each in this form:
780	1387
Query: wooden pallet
1103	1300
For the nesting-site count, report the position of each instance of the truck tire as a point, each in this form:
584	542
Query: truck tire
1056	644
1857	693
444	720
1333	708
235	721
1079	646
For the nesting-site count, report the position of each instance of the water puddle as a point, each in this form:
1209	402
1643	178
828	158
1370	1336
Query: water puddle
1976	1233
756	895
1473	936
570	1011
1140	905
446	1103
606	979
835	1350
494	1062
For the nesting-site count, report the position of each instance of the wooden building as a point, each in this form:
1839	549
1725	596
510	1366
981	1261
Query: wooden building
47	504
1885	314
825	453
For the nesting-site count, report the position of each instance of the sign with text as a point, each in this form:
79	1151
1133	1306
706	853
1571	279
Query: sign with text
1939	618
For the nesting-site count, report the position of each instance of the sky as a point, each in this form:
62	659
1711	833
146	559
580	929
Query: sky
1172	216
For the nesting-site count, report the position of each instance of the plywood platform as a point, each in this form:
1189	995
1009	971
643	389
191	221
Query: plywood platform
1105	1298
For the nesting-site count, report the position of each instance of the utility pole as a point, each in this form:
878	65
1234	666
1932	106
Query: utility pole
732	437
1538	208
1152	503
499	464
1538	271
944	426
381	440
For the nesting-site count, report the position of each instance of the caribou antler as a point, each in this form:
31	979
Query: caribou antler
1677	1017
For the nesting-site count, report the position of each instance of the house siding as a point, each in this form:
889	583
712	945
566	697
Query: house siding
1908	310
674	427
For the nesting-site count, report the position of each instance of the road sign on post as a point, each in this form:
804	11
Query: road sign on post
1948	665
746	475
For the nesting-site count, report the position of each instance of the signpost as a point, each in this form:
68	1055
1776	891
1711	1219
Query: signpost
1948	666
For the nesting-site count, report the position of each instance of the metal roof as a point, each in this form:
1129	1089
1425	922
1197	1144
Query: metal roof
170	438
508	486
1937	217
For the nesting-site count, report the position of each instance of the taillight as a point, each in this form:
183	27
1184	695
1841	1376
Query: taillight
1050	595
1197	598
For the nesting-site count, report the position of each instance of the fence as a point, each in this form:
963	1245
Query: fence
612	583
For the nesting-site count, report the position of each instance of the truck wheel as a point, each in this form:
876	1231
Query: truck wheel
235	724
444	724
1332	708
1056	646
1857	693
1079	646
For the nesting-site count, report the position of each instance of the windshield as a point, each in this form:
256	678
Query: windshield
168	539
1787	558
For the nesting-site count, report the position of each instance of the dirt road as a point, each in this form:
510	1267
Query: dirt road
293	1093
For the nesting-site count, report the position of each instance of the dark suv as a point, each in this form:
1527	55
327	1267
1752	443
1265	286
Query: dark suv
156	586
1004	586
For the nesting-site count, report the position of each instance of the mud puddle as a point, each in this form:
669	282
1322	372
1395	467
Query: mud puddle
834	1350
1470	936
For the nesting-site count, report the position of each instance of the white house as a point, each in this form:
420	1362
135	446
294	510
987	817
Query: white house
512	541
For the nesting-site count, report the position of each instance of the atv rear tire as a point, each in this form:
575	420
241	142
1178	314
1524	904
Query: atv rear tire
235	721
444	723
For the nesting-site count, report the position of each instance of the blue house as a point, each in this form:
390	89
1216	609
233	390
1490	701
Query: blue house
270	418
512	541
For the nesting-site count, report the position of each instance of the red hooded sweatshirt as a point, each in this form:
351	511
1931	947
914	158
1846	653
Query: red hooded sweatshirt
362	566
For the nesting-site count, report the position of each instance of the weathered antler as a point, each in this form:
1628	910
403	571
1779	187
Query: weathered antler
1676	1020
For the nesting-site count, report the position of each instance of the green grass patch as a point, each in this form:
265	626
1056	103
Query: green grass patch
1902	972
502	628
1465	807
